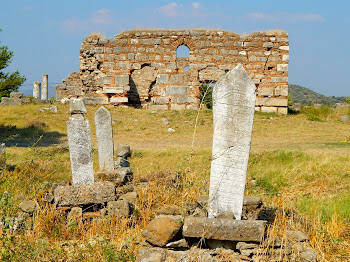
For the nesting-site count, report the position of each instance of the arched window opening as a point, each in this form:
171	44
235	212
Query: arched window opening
186	68
182	51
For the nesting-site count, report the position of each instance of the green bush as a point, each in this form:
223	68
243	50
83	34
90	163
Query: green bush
316	114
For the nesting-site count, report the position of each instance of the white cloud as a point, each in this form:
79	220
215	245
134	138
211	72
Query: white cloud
174	10
171	10
292	18
101	17
195	5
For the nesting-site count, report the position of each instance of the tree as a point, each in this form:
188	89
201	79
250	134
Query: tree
9	82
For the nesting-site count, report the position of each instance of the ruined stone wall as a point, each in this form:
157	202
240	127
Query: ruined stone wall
141	68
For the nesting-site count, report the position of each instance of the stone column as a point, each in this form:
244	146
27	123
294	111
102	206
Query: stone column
233	113
44	87
79	140
36	90
104	134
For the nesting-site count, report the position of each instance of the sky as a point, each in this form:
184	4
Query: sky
46	35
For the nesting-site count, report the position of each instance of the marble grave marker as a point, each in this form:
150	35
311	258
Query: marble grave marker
104	134
79	140
233	113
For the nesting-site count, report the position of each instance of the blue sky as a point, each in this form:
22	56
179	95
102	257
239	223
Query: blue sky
45	36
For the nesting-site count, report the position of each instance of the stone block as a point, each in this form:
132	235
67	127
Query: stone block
282	67
96	193
265	91
160	100
286	48
105	80
119	100
16	95
102	100
285	57
282	110
75	215
211	73
122	80
77	106
284	90
162	79
268	45
271	101
279	79
113	90
132	197
224	229
119	176
269	109
10	101
120	208
29	206
176	90
161	230
177	107
123	151
117	49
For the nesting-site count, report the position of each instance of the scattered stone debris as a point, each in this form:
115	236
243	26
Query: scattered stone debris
17	98
165	121
344	118
171	130
189	122
52	109
219	239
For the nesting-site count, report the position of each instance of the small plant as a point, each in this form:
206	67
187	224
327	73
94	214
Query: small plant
206	91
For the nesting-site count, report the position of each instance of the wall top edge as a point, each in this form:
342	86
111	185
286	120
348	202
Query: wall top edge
189	32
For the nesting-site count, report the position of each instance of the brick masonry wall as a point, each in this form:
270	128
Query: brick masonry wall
141	68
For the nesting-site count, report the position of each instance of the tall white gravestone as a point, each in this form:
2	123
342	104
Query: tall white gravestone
79	140
233	114
104	134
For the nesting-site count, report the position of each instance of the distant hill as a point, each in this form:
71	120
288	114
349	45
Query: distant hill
305	96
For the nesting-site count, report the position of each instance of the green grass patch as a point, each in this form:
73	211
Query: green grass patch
326	207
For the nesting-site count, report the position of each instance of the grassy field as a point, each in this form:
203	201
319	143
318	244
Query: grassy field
298	164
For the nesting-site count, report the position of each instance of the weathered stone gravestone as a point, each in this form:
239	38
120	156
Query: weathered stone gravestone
79	140
2	155
233	113
104	134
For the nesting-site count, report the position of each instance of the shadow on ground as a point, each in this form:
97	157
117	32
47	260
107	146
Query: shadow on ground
33	135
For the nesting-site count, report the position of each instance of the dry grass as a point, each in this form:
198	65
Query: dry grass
299	166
